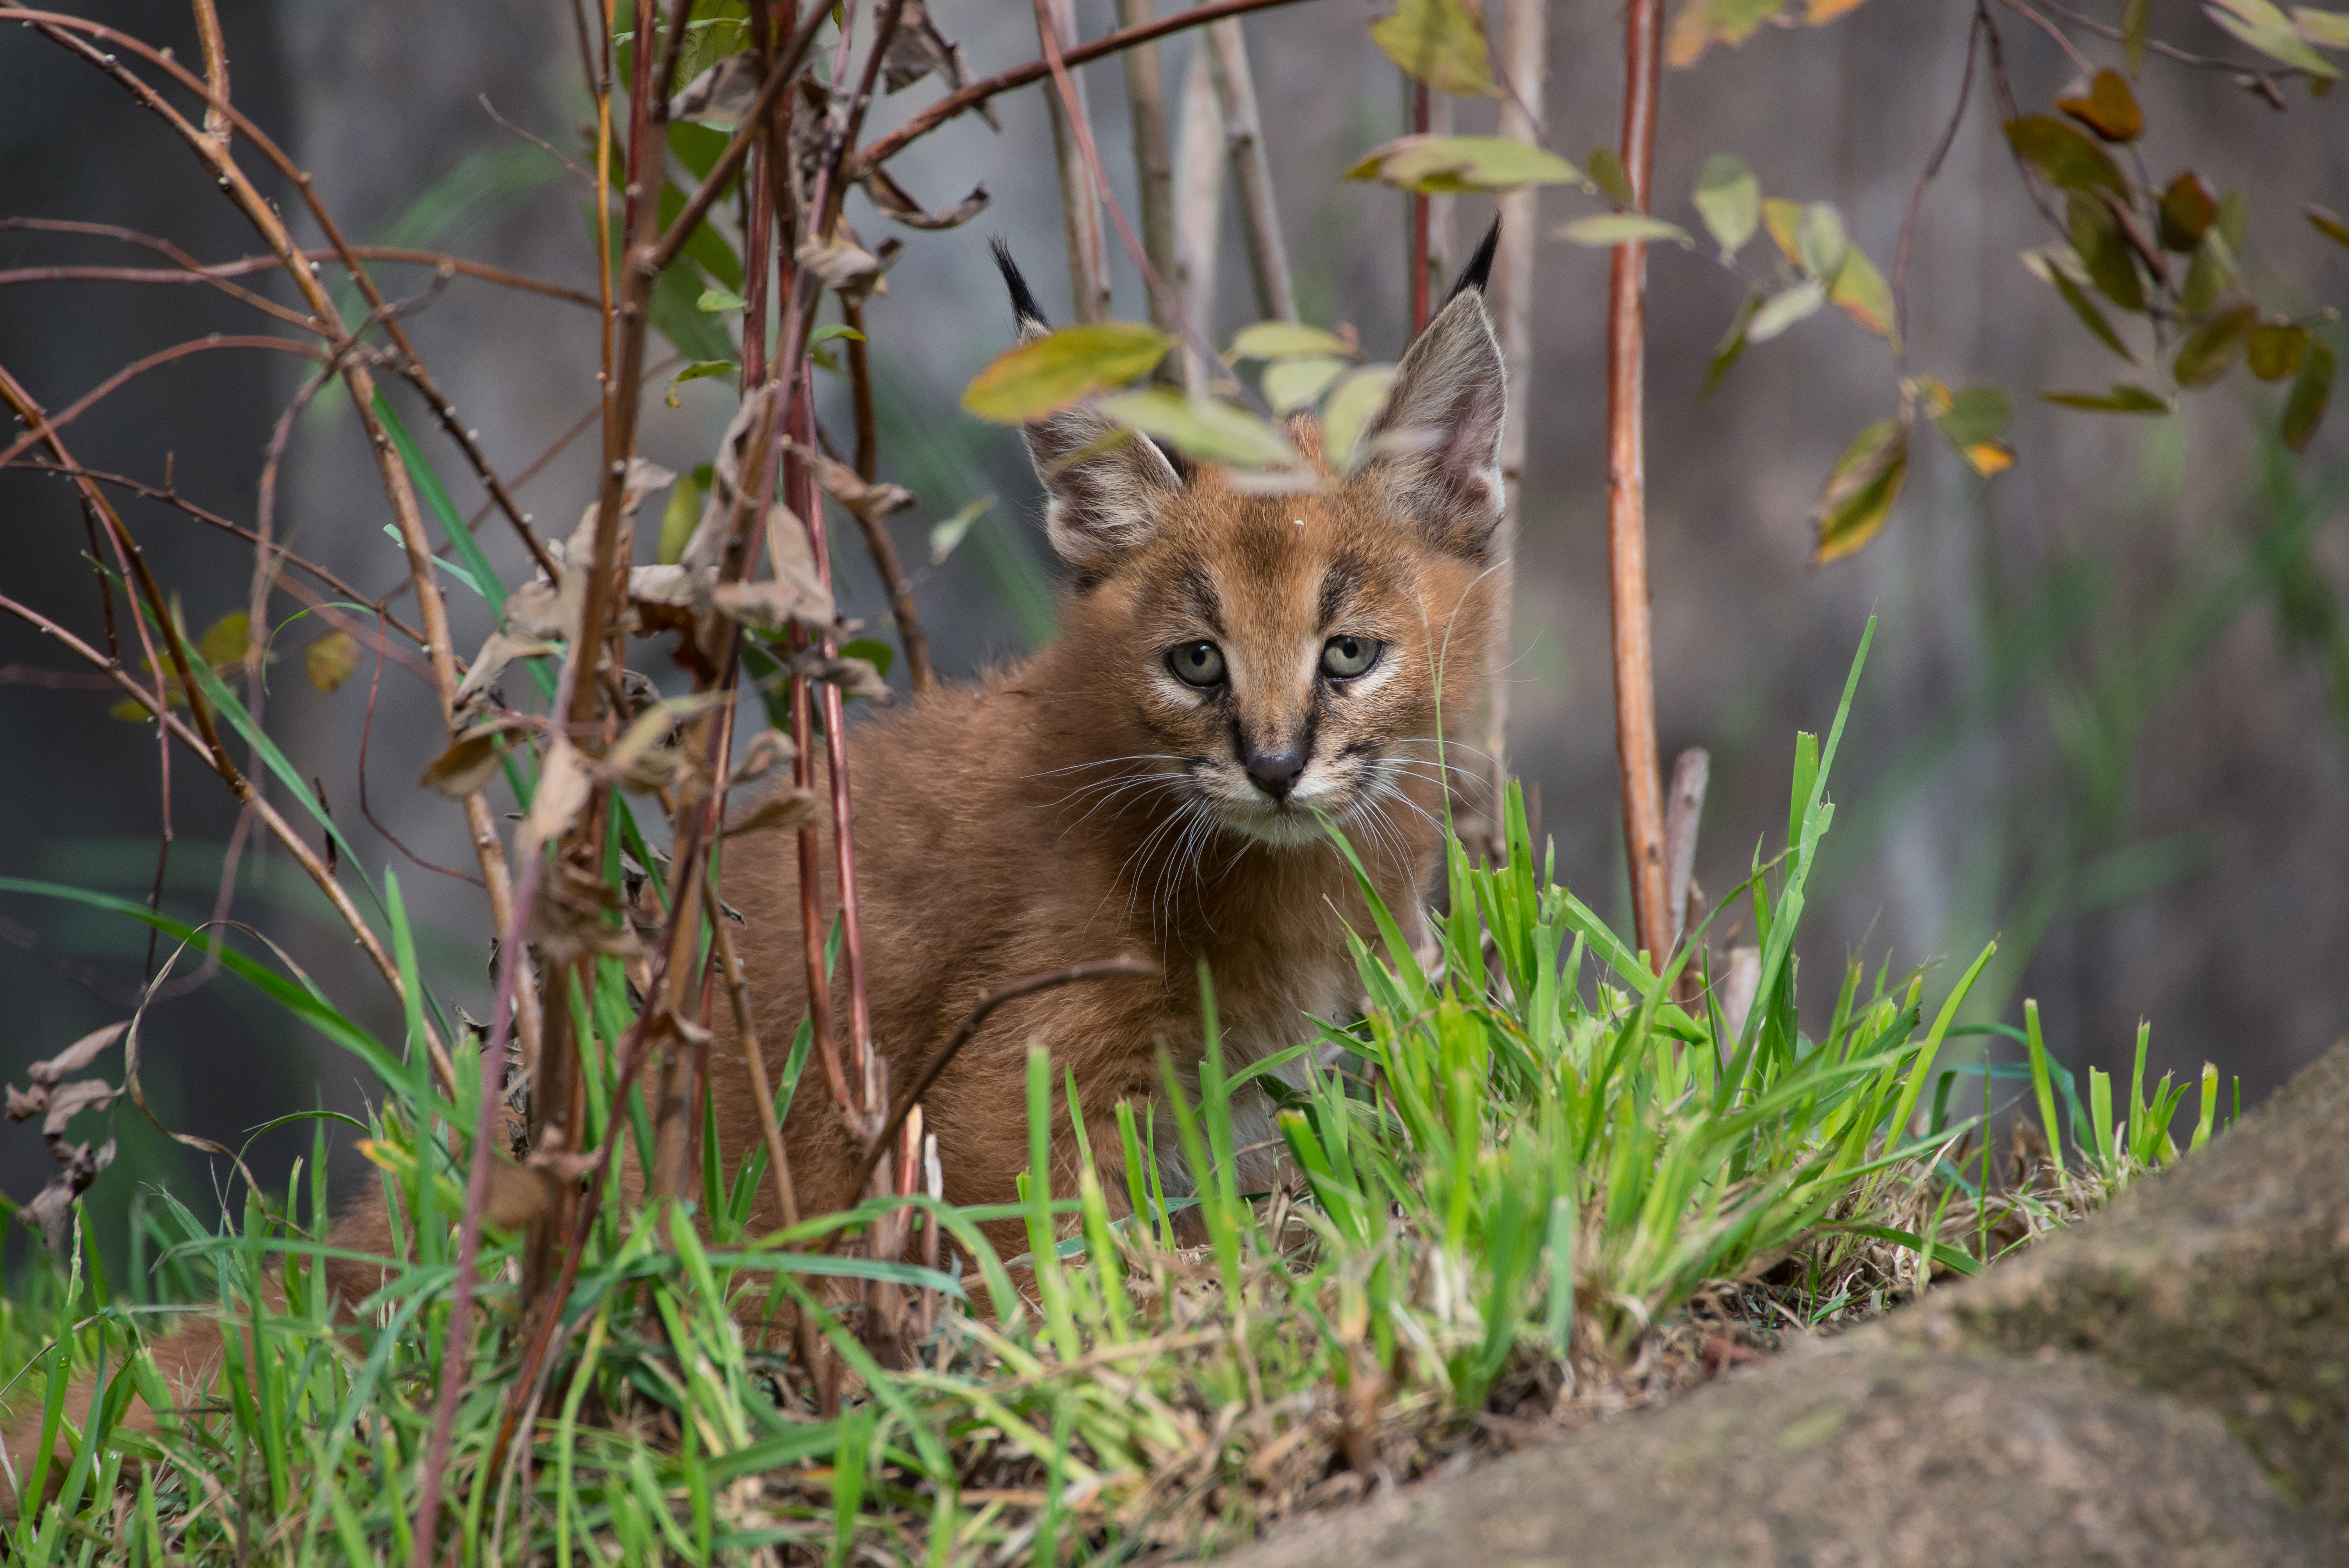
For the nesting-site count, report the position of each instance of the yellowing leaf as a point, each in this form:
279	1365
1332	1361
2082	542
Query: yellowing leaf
1860	289
2272	39
2108	108
1701	23
1976	415
1202	426
1439	42
223	640
2064	155
2329	28
1861	490
1618	229
1990	458
329	661
1729	198
1784	219
2123	398
1041	377
1820	12
1284	340
1293	384
2211	350
1449	165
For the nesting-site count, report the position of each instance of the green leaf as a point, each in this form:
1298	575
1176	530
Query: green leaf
2109	109
1450	165
2327	224
1784	309
1821	243
1353	402
2328	28
1862	293
1606	172
2211	350
2276	350
2207	277
477	570
2123	398
2111	265
1731	345
1729	198
2064	155
2188	208
714	300
680	518
945	536
1041	377
835	329
1618	229
1784	219
1203	427
1861	490
2274	40
696	371
1439	42
1284	340
1293	384
880	654
2311	389
1977	414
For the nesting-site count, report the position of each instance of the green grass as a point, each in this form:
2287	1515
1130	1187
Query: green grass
1531	1184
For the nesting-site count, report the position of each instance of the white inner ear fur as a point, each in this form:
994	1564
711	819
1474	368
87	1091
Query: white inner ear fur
1103	483
1436	450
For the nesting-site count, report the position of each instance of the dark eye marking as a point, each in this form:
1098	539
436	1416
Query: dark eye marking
1198	596
1339	585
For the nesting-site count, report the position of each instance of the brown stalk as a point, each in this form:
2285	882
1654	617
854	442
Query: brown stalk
1153	158
1198	223
218	272
41	431
1276	294
1080	212
911	1094
1036	70
1627	523
875	528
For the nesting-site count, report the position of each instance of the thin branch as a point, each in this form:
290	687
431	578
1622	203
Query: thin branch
1080	207
1036	70
2176	55
1917	196
1198	223
74	410
1276	294
911	1094
1627	521
1154	159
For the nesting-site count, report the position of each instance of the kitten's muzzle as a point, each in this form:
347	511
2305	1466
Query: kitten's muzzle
1275	773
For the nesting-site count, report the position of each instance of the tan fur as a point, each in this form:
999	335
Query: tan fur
1088	804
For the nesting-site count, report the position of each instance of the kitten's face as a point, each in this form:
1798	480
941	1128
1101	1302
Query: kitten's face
1291	658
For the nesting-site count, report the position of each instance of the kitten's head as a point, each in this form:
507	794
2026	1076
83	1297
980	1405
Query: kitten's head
1279	656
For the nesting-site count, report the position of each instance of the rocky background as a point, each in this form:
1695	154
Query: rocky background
2148	848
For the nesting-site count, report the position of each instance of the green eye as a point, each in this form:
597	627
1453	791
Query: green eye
1344	657
1198	664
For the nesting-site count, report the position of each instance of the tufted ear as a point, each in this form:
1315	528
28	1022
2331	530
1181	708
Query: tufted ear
1103	483
1434	451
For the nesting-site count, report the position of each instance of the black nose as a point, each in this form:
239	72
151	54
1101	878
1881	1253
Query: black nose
1275	772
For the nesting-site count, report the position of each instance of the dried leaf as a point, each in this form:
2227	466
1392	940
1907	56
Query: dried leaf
838	263
1861	490
76	1057
723	94
1618	229
24	1105
575	913
1729	198
917	48
1441	43
786	809
1206	427
565	785
52	1206
2311	389
772	606
1284	340
466	766
1784	309
2211	350
501	650
871	502
855	677
68	1100
2276	350
1453	165
769	750
2108	108
1293	384
748	425
1046	375
945	536
2188	208
329	660
2123	398
2064	155
894	202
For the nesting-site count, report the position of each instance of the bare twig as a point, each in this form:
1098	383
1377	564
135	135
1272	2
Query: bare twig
911	1094
80	406
1974	30
1198	222
1153	157
1627	523
1080	211
1227	61
2170	52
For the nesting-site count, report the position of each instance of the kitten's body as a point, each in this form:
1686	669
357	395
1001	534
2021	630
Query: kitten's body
1106	799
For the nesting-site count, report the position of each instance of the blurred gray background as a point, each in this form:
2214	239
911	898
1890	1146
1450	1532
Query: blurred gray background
2090	723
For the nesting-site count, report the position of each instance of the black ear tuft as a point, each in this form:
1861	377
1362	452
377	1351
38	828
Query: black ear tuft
1475	275
1024	308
